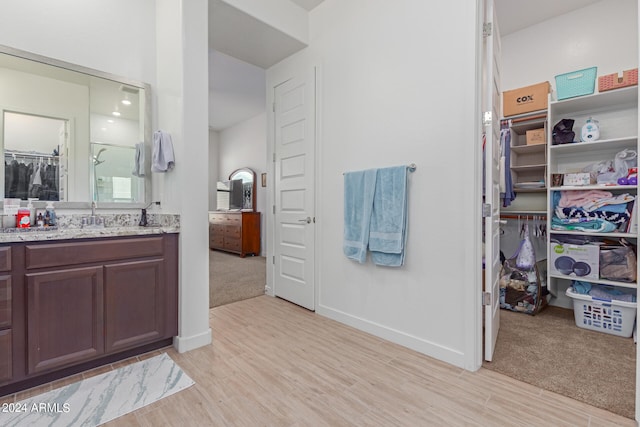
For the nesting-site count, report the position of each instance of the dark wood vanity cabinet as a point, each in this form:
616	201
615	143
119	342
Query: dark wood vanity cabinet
237	232
85	303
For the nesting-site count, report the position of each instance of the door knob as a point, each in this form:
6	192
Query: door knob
307	220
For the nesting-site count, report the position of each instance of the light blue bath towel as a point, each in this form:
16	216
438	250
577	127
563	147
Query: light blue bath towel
387	232
359	189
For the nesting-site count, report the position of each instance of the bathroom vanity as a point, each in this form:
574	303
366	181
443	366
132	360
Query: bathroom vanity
67	305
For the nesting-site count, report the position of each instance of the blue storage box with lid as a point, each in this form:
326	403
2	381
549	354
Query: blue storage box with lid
576	83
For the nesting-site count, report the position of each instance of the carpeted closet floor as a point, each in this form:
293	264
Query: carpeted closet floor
549	351
232	278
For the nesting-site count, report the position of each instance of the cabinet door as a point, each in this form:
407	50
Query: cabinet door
134	303
6	358
64	317
5	301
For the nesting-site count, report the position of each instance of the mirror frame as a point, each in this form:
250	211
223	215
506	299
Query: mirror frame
253	189
147	127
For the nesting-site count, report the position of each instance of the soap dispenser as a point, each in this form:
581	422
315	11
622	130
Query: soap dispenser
51	213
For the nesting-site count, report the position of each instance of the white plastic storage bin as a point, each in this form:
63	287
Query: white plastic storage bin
612	317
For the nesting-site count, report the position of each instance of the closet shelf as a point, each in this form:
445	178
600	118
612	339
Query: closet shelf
528	149
632	285
597	101
594	187
603	144
531	168
595	234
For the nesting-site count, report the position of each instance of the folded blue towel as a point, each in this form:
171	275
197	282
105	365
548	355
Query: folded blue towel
359	188
387	232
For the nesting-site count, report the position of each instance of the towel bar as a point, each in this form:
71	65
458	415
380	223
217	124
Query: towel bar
412	168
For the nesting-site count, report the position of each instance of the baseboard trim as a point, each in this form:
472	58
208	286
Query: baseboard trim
420	345
184	344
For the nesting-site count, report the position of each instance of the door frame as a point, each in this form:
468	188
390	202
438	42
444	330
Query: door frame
275	76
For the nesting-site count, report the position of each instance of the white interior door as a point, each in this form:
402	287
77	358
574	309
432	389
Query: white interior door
294	216
491	104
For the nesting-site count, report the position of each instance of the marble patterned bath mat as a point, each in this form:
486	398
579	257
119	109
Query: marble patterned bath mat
99	399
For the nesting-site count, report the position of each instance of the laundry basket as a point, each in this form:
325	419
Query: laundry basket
612	317
576	83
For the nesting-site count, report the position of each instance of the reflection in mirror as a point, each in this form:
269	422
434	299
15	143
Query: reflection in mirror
38	172
248	177
111	167
98	109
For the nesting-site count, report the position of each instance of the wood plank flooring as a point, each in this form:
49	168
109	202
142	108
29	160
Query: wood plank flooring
275	364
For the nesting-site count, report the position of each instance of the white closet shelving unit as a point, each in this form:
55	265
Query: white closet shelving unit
528	162
617	113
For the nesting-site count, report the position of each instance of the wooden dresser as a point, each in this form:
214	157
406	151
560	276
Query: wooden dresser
237	232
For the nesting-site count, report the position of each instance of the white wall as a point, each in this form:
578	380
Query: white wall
245	146
398	87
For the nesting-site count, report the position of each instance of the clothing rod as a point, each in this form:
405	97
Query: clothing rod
523	216
412	168
18	154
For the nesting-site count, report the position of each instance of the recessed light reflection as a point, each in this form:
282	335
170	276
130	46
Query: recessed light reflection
110	121
116	113
126	102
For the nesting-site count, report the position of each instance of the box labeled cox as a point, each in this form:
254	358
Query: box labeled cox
525	99
577	261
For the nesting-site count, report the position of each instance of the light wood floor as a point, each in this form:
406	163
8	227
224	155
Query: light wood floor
275	364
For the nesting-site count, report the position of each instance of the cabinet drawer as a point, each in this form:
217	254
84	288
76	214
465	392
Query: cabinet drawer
232	231
232	244
6	357
5	258
59	254
5	302
217	218
216	241
217	229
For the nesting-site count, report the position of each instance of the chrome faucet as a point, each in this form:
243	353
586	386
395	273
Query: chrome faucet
93	221
93	208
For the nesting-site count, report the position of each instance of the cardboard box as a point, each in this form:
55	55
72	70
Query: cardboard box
536	136
580	178
525	99
581	262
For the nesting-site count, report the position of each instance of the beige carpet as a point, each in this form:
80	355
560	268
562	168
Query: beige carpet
232	278
549	351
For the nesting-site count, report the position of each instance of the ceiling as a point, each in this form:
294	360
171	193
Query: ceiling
515	15
237	75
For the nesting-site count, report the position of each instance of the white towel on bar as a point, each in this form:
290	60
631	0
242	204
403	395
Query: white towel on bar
162	159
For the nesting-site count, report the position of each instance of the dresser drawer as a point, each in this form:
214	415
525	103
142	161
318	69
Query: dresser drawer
5	301
232	244
5	258
217	218
232	231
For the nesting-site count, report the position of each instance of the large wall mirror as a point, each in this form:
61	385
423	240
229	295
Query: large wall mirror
70	134
248	178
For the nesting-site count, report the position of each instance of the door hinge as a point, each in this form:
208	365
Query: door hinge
486	29
274	157
486	298
273	260
486	210
487	118
274	209
273	107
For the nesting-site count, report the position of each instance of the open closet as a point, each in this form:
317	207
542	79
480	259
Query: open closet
548	349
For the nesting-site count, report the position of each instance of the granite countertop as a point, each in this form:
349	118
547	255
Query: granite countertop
117	225
32	235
